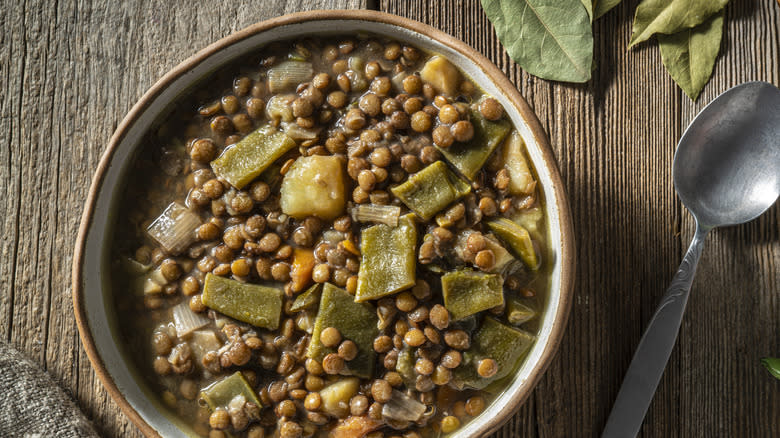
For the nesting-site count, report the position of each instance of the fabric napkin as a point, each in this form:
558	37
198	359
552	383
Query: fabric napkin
32	405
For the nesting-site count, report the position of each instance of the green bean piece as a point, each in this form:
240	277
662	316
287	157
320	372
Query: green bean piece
335	397
517	239
355	321
517	312
272	175
308	299
467	292
219	394
244	161
469	157
314	186
389	259
430	190
254	304
532	219
521	179
772	364
504	259
404	366
500	342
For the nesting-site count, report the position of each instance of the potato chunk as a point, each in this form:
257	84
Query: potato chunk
521	180
442	75
335	397
314	186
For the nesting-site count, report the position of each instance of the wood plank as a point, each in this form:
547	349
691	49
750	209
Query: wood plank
733	316
614	139
11	67
71	71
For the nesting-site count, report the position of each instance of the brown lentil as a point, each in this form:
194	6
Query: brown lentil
383	344
412	105
424	367
286	408
457	339
488	206
370	104
421	121
221	125
449	424
358	405
313	401
491	109
330	337
162	342
441	375
290	429
332	363
255	107
280	271
501	180
429	154
462	131
348	350
414	337
321	273
485	260
203	150
487	368
381	157
381	391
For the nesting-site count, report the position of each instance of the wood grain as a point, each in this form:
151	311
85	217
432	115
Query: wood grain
614	139
71	69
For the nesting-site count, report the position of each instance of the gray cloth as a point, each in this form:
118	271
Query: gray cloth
32	405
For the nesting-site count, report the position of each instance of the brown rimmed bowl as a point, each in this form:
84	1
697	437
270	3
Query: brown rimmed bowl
92	297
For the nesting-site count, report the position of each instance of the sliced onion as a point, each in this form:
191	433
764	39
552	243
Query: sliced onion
153	282
357	81
383	214
279	108
333	237
297	133
398	81
175	228
236	404
401	407
150	287
187	321
202	342
305	321
287	75
385	316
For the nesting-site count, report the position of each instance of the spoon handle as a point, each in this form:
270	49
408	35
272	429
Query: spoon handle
654	349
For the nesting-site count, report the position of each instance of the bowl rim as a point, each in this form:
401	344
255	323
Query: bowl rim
567	256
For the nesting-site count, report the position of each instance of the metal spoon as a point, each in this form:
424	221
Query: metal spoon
727	172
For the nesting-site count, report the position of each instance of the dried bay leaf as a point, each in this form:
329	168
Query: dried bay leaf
601	7
689	56
589	7
671	16
551	39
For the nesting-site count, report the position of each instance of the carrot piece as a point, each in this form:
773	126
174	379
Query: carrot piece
302	265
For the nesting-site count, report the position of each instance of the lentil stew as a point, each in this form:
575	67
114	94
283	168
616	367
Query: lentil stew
339	237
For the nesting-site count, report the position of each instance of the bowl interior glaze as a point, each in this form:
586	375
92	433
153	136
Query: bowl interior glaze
92	297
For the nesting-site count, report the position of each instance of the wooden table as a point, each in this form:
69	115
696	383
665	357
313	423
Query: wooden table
71	69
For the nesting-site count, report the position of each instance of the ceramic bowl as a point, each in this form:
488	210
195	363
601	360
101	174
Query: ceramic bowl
91	294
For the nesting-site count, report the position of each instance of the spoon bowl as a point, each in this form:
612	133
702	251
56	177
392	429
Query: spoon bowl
726	171
726	168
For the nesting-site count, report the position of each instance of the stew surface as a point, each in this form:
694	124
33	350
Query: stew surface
336	237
